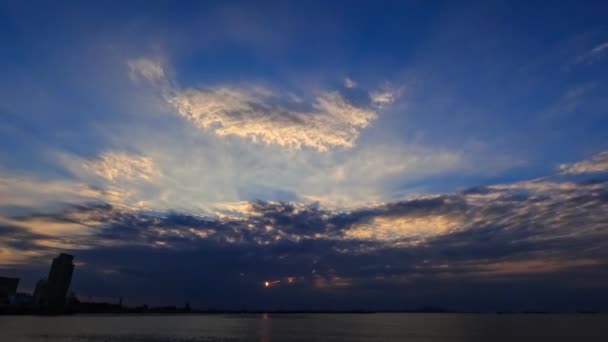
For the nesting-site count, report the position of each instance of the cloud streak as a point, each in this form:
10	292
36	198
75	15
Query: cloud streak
597	163
116	166
593	55
146	69
32	193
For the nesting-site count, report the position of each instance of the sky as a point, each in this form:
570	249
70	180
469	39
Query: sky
308	155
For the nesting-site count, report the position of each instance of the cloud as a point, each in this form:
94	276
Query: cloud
597	163
511	267
394	224
32	193
528	230
512	233
385	96
259	114
380	161
115	177
392	228
593	55
349	83
256	114
32	237
574	100
146	69
599	48
116	166
289	167
501	209
243	172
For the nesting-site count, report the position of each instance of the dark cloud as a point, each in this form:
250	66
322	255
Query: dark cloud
507	238
18	238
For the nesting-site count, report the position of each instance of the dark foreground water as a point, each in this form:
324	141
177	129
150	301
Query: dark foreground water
309	327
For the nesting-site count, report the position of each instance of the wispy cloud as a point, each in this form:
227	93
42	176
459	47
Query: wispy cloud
349	83
38	194
385	96
597	163
146	69
594	54
599	48
116	166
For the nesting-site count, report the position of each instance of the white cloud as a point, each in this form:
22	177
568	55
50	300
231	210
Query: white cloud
597	163
262	115
385	96
255	114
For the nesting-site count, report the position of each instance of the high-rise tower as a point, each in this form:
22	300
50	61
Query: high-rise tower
58	282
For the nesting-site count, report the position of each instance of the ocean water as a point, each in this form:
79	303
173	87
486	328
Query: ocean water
305	327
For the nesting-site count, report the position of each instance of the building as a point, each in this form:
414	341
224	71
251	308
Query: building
40	292
58	281
21	299
8	287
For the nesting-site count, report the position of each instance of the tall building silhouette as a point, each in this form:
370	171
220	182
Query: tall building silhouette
58	282
40	292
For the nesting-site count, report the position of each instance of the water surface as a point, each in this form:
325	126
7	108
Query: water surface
305	327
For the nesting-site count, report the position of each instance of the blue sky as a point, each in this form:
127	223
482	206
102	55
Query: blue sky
361	136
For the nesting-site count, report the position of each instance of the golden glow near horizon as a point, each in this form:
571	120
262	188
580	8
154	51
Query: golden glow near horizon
387	228
269	283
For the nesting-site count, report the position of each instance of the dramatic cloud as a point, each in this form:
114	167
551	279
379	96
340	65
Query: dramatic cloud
257	114
398	228
521	231
569	212
207	155
267	116
598	163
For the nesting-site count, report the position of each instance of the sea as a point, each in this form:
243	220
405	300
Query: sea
306	327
